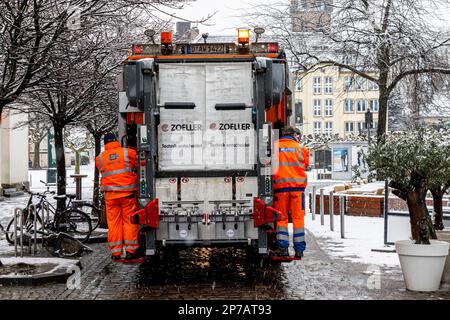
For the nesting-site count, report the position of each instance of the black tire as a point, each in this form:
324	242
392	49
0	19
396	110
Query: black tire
75	223
28	226
93	212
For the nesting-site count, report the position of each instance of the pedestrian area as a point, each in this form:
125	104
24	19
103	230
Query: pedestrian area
224	274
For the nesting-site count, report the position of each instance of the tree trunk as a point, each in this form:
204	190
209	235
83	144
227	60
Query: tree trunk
383	112
77	161
438	194
97	199
37	156
98	146
60	163
418	212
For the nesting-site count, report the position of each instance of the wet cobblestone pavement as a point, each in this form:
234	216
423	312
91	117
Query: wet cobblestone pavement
225	274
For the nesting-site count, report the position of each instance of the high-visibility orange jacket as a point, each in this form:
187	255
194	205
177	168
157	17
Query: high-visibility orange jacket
289	171
117	166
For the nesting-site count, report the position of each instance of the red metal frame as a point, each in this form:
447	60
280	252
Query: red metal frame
263	214
149	216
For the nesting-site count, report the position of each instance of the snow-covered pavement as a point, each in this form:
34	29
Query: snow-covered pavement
362	234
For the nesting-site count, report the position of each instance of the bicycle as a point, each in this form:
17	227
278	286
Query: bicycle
90	209
72	222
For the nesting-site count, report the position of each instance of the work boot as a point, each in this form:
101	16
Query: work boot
299	254
131	256
281	252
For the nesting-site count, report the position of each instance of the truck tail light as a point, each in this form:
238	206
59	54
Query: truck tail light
166	37
273	47
137	49
135	118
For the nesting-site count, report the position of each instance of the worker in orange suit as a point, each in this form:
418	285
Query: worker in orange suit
290	181
118	167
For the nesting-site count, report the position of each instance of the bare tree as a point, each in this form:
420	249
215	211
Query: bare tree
383	41
82	65
31	29
37	130
78	140
107	106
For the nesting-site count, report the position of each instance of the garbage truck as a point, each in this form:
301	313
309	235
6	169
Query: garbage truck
203	118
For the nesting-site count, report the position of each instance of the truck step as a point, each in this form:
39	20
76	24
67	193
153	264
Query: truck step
140	260
284	259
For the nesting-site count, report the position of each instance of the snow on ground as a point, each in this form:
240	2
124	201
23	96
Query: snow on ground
8	206
362	234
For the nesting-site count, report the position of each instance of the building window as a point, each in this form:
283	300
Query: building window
349	83
298	112
317	127
361	105
347	59
328	108
317	107
317	85
349	128
375	125
373	86
299	85
375	105
328	85
360	84
349	106
361	126
329	128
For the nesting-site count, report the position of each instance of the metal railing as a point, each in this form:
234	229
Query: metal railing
342	209
20	231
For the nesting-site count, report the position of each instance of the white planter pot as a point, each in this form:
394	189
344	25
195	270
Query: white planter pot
422	265
445	236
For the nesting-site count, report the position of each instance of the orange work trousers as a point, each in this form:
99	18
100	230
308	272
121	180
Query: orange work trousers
293	202
121	234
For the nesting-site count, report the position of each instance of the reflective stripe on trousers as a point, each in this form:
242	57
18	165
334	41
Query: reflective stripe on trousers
283	237
121	234
291	202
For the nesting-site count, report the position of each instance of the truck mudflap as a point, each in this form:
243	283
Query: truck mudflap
263	214
148	216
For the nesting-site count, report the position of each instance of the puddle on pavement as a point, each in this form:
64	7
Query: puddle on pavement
23	269
211	269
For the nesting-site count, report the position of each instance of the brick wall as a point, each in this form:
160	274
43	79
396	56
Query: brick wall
356	206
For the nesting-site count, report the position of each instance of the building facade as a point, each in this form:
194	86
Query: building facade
331	100
13	150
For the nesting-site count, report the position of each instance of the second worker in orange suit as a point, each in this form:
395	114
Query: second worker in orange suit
118	167
290	181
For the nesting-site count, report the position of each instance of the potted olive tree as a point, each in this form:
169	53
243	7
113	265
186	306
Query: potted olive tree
410	161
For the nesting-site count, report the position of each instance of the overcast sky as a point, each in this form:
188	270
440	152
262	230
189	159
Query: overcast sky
224	22
228	12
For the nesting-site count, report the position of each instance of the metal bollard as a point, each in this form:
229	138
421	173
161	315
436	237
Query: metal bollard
15	232
322	211
21	234
35	217
44	208
342	204
313	203
331	210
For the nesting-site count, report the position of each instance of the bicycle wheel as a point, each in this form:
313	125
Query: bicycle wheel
93	212
28	225
75	223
